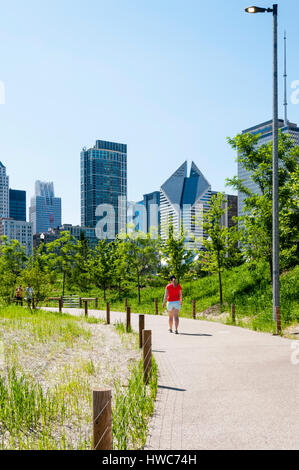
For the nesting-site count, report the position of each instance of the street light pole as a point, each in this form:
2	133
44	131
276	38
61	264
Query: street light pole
275	183
276	283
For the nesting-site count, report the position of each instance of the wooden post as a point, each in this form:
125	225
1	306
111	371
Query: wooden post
128	318
233	313
278	320
60	305
194	309
156	307
102	419
108	313
126	303
86	307
141	328
96	302
147	355
80	302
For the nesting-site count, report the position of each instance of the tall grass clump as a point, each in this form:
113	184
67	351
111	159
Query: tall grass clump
133	408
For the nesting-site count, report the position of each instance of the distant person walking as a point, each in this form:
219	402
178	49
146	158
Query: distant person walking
173	295
29	295
19	295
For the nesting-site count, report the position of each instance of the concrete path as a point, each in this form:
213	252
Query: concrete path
221	387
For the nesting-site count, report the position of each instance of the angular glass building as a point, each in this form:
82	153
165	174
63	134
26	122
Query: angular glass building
45	208
183	200
17	205
104	188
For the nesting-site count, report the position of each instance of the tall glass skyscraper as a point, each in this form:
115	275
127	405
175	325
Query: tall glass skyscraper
45	209
104	188
17	204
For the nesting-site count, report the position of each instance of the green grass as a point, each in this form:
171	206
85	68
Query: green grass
42	326
249	289
52	409
133	409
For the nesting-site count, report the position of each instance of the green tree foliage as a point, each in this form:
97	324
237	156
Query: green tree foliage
121	270
12	262
256	222
101	265
142	257
220	246
38	275
62	257
81	276
178	258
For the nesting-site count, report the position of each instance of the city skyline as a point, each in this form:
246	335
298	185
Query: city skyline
171	75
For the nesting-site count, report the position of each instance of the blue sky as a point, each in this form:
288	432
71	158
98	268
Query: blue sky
171	79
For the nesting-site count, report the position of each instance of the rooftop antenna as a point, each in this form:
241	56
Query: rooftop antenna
285	81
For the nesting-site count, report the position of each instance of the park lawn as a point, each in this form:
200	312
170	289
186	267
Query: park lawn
49	364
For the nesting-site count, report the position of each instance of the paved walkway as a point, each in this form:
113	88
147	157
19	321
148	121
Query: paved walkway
221	387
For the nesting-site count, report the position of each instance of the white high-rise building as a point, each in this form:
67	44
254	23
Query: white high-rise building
183	200
4	192
18	230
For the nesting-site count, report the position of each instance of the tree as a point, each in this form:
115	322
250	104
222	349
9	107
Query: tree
101	265
142	256
220	246
38	275
80	275
256	221
12	262
62	254
178	259
120	263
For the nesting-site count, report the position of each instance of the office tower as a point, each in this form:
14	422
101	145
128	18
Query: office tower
265	131
145	215
104	188
230	203
18	230
136	217
45	209
183	200
4	192
17	205
151	203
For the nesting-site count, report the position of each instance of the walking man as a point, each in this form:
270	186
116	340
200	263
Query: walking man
173	295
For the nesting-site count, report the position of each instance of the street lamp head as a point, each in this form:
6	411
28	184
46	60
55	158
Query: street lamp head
254	9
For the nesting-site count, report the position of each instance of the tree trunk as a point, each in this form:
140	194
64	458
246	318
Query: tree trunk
105	292
63	283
